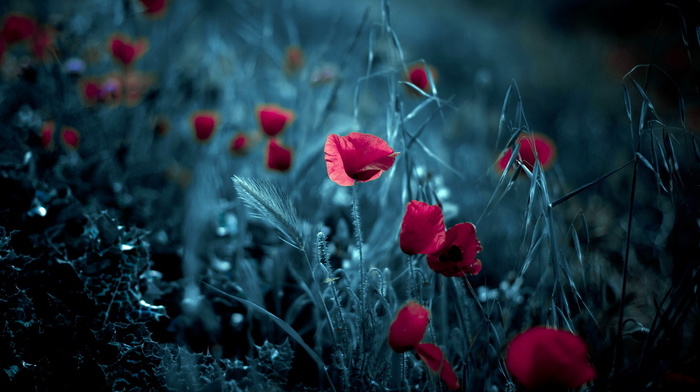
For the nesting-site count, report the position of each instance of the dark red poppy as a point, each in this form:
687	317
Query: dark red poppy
46	134
154	8
457	256
70	138
549	358
545	150
204	125
357	157
273	119
293	59
277	156
125	50
43	42
16	28
451	253
90	91
422	229
436	361
417	75
408	328
239	144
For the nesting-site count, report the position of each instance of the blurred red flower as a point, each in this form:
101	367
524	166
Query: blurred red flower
417	75
154	8
545	150
408	328
433	357
451	253
125	50
544	357
70	138
293	59
273	119
43	42
204	125
16	28
277	157
239	143
46	134
357	157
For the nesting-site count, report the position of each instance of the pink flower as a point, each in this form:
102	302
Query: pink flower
451	253
204	125
154	8
277	156
545	357
46	134
239	144
408	328
544	147
273	119
357	157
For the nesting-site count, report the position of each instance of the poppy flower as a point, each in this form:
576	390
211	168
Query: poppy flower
293	59
239	144
46	134
90	91
422	228
125	50
549	358
357	157
16	28
70	138
43	42
545	151
417	75
273	119
408	328
451	253
277	157
204	125
154	8
433	357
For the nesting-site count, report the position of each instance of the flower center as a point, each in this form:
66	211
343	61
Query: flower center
453	253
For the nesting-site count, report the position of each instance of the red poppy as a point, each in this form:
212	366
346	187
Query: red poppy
43	42
545	150
16	28
436	361
154	8
70	138
293	59
457	256
417	75
451	253
239	143
422	229
46	134
125	50
204	125
357	157
549	358
90	91
408	328
277	157
273	119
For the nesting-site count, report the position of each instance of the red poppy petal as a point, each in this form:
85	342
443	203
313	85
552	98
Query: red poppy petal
239	143
546	357
46	134
435	359
422	228
278	157
17	27
154	7
502	162
273	119
408	327
357	156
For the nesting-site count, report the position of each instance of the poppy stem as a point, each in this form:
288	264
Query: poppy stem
363	276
